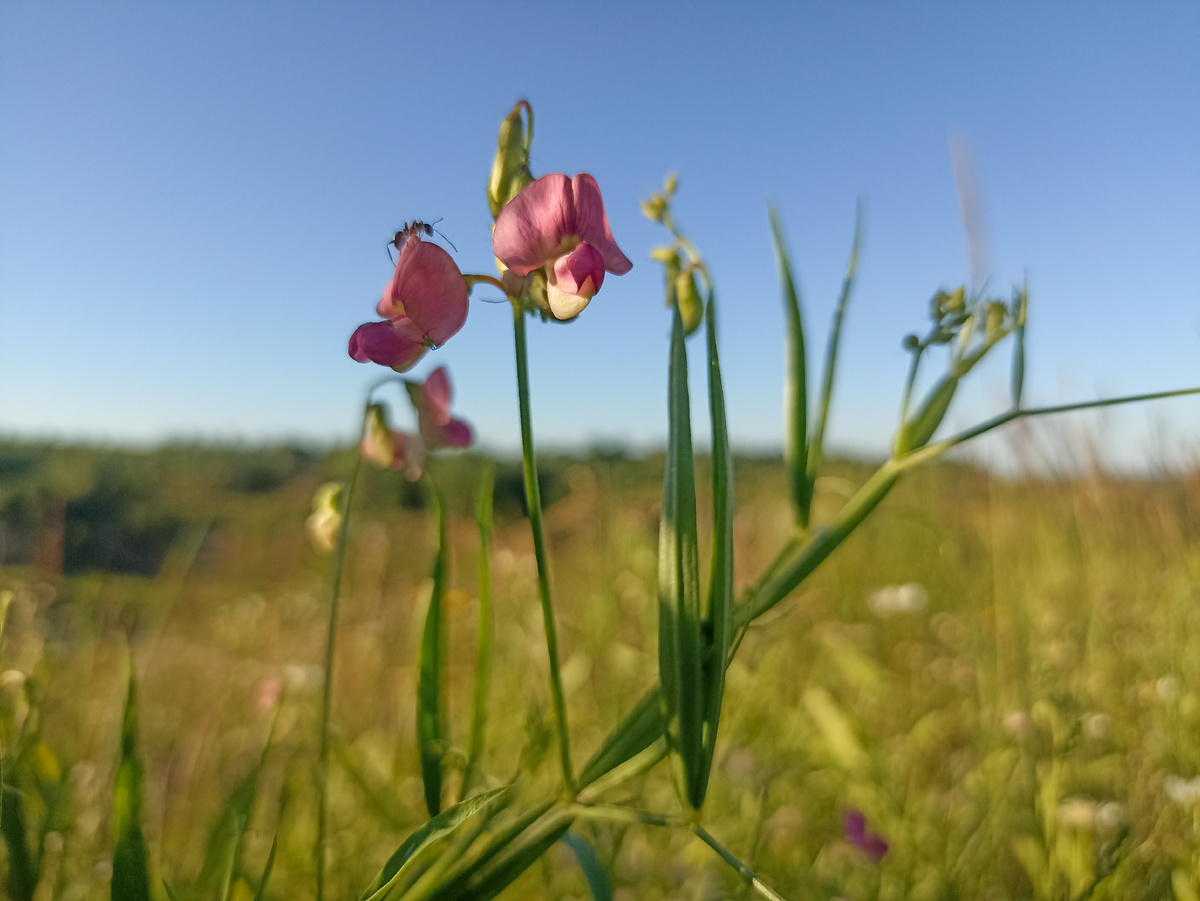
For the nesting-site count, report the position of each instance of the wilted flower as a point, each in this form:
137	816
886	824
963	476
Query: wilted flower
436	428
558	223
854	825
325	522
425	304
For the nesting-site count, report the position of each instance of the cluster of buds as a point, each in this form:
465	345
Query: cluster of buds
681	260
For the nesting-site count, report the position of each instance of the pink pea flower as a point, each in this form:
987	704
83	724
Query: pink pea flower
425	304
436	428
558	223
854	825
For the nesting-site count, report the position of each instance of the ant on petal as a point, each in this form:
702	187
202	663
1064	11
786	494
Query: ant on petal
416	228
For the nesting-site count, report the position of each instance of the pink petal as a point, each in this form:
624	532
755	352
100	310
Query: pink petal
435	396
591	224
530	229
429	289
574	270
397	344
457	434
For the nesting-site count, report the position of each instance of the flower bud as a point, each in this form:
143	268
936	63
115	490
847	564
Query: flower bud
509	174
691	307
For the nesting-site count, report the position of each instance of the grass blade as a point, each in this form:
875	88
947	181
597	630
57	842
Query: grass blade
438	827
679	632
223	854
483	642
130	866
719	607
795	384
641	727
597	877
266	876
430	715
817	445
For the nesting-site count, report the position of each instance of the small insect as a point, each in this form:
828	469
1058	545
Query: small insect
416	228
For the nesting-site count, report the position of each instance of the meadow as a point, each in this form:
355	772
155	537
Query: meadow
1001	674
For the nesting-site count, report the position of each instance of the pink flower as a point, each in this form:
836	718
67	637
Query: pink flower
432	401
436	428
854	825
425	304
559	224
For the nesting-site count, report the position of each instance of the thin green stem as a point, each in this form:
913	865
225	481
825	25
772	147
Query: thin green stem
339	559
936	450
640	763
534	502
747	874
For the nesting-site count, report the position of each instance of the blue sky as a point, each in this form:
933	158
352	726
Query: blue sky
194	199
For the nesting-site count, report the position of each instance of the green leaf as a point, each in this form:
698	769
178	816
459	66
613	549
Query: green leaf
641	727
22	868
170	891
795	383
434	829
597	877
718	610
223	852
430	728
816	447
916	432
483	641
1018	363
680	648
130	866
261	893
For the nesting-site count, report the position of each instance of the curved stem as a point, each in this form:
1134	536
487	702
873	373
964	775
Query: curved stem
339	559
533	500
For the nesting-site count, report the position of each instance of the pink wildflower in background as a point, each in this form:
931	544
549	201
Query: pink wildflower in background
559	224
425	304
436	428
854	825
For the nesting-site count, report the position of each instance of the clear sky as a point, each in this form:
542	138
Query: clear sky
194	199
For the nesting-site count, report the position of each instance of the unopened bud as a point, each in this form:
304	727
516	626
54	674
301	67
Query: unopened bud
377	444
654	208
691	307
509	174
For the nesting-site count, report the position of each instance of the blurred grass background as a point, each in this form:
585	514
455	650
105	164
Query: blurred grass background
1003	674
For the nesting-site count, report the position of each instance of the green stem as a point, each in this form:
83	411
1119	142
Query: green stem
534	502
339	559
744	871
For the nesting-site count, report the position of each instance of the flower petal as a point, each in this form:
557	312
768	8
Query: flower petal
565	306
531	227
591	224
573	271
429	289
457	434
435	396
398	344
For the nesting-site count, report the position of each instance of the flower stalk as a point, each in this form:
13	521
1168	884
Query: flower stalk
533	500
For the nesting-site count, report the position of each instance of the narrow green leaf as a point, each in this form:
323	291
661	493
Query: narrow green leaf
430	722
816	447
718	610
795	383
22	878
130	866
679	632
916	432
436	828
641	727
483	641
597	877
261	893
514	864
223	851
170	891
1018	363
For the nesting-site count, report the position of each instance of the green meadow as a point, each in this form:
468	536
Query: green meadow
1001	674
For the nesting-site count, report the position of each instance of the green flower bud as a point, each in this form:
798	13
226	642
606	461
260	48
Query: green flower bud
691	307
509	172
